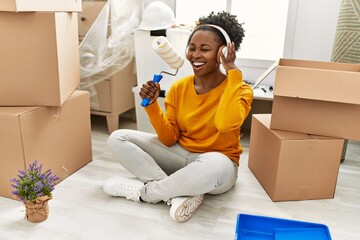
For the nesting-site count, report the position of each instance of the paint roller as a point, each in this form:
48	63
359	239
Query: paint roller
170	55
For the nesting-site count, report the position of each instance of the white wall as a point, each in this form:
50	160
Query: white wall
314	29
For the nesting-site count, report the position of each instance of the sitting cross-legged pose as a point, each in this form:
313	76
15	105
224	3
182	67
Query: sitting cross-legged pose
196	148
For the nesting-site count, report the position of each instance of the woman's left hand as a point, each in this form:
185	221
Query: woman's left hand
228	61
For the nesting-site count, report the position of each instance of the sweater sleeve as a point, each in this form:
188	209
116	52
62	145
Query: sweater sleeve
235	103
165	126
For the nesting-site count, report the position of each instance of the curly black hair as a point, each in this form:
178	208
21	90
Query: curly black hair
228	22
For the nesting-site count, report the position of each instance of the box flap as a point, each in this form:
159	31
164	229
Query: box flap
68	53
265	74
265	119
41	5
349	67
324	81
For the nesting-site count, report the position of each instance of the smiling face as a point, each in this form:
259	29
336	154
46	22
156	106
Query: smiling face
202	52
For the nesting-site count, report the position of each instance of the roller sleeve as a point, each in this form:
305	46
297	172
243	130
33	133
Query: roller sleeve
167	52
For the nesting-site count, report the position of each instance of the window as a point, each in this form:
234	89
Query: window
264	22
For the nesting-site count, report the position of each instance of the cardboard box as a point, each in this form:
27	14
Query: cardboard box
41	5
39	64
319	98
293	166
57	137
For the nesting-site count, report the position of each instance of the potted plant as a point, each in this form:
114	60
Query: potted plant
33	187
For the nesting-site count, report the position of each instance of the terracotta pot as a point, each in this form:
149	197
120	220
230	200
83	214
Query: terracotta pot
37	211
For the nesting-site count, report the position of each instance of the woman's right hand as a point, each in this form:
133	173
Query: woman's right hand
228	62
150	90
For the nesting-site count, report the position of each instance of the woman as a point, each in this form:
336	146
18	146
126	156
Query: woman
197	147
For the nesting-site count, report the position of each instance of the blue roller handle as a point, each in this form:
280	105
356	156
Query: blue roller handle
145	102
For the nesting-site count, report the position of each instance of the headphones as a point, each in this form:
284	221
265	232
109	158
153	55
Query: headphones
223	32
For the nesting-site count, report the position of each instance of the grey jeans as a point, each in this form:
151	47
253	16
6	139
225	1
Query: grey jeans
171	171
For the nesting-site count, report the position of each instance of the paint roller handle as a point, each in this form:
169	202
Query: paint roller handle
145	102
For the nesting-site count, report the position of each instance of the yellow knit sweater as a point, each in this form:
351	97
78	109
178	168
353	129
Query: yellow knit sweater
207	122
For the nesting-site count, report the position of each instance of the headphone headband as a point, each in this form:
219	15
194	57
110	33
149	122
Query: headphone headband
223	32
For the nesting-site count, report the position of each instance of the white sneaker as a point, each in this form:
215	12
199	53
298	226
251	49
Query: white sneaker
182	208
124	187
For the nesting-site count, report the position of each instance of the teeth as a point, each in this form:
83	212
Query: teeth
197	64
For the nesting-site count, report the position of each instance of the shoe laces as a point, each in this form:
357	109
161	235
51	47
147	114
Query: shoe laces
135	196
130	192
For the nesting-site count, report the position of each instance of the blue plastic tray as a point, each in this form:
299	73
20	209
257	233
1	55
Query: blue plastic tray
253	227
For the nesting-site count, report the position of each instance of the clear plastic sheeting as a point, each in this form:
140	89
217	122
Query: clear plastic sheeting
108	46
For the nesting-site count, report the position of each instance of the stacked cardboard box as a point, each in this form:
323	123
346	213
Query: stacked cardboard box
42	115
295	152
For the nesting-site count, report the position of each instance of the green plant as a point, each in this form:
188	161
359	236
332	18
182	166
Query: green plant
33	183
